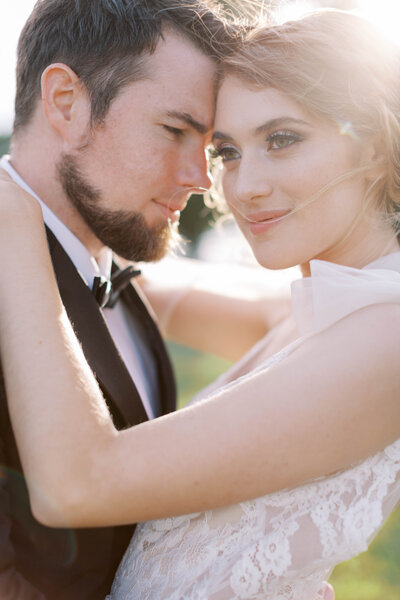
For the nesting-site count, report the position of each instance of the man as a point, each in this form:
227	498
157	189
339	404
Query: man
113	111
114	107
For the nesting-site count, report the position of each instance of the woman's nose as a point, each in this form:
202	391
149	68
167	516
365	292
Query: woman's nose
252	181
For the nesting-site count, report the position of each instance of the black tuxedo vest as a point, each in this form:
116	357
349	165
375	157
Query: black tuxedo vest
38	562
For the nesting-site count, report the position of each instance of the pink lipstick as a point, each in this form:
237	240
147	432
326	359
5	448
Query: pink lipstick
263	221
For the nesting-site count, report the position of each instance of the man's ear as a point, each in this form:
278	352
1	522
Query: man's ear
65	103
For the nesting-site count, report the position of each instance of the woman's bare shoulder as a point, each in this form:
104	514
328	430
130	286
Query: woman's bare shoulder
369	334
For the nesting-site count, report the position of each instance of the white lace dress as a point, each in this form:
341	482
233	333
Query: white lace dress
283	545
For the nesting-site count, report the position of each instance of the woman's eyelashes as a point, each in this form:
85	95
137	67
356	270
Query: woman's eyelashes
279	140
225	152
276	141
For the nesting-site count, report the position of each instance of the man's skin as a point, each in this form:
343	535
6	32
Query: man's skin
146	156
142	159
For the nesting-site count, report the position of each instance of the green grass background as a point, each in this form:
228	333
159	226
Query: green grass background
374	575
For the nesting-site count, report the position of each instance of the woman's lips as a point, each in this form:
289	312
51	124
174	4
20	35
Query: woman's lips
262	221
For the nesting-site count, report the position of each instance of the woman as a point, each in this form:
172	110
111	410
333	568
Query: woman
307	127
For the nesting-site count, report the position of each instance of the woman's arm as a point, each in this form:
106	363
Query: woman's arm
214	308
332	402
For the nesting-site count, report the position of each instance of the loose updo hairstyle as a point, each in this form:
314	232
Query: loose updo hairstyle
338	66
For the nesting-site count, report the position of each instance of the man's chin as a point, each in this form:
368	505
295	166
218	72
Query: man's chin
127	233
149	244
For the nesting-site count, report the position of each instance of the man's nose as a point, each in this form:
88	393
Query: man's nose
193	171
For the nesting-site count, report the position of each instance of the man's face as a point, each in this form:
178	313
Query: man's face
130	181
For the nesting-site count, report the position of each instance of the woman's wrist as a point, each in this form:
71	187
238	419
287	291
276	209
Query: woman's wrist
20	215
23	245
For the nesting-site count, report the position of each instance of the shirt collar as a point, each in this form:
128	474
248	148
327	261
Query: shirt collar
87	265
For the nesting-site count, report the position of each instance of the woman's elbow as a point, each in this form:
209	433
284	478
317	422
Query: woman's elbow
61	506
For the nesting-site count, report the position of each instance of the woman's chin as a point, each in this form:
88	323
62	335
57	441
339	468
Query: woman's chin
275	262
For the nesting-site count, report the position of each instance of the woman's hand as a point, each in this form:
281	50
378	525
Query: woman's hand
21	235
21	225
16	203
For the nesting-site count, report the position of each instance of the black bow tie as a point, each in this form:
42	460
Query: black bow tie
107	291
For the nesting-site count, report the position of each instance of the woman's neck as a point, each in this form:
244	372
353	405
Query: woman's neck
359	257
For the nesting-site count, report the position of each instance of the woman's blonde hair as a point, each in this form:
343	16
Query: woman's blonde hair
338	66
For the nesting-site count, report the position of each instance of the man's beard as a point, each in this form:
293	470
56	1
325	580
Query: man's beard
127	233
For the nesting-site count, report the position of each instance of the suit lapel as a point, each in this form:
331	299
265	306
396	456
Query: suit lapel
97	343
138	305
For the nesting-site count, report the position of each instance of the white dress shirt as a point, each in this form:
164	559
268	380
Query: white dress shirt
88	267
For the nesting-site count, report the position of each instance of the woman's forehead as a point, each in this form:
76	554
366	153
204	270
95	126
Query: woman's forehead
241	104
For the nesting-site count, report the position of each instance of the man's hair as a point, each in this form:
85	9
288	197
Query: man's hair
104	42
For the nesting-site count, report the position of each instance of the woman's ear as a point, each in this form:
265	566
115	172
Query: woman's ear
65	103
373	156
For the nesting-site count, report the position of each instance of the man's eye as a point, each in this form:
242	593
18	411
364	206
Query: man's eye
280	140
174	130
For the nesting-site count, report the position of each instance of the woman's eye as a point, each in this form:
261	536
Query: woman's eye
174	130
278	141
226	153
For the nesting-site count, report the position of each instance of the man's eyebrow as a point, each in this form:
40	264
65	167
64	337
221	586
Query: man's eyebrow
189	120
264	128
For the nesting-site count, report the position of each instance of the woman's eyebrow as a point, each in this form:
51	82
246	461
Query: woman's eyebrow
279	122
264	128
218	135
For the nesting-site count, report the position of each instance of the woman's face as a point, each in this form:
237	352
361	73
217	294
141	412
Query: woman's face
277	160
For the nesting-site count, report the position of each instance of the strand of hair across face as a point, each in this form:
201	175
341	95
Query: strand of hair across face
314	198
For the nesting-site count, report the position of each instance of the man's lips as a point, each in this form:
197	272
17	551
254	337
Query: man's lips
172	212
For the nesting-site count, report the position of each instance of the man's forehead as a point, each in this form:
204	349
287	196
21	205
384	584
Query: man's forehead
195	109
180	60
179	82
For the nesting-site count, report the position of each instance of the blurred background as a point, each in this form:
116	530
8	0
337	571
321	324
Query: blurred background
375	575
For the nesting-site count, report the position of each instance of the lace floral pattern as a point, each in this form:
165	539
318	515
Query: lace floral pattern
277	547
283	545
